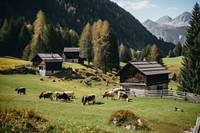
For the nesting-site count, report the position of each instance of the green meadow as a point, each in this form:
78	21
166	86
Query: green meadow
158	114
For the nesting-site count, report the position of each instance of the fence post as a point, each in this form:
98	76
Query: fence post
161	93
185	95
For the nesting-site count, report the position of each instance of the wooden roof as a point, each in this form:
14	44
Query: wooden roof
49	57
71	49
147	68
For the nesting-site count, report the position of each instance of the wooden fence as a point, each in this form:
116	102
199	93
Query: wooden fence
173	94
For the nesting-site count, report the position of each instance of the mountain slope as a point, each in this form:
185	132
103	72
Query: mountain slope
171	30
76	13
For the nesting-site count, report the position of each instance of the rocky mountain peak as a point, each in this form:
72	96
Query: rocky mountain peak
164	20
171	30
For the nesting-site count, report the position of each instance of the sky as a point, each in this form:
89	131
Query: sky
155	9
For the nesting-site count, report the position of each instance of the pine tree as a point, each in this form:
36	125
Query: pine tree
124	55
39	39
189	79
85	44
178	49
143	55
132	54
171	54
114	57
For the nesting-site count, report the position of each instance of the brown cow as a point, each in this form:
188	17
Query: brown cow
122	95
62	96
46	94
116	90
88	98
109	94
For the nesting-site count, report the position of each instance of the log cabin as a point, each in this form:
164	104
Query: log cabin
47	64
137	77
72	55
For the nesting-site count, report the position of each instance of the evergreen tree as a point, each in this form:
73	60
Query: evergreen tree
177	50
23	39
189	79
171	53
132	54
124	54
144	53
114	58
85	44
74	37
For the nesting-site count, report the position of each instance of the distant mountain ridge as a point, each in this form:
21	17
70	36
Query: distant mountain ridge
170	30
74	14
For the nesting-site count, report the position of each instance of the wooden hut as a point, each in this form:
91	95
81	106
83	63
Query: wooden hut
72	54
47	64
137	77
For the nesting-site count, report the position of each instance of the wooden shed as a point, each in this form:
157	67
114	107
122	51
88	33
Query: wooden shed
137	77
48	64
72	54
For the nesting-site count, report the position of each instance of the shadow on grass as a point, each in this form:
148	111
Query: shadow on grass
99	103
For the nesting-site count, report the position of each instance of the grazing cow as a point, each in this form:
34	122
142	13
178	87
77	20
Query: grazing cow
21	90
109	94
88	98
177	109
62	95
122	95
46	94
116	90
70	94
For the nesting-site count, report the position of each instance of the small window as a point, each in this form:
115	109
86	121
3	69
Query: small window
40	67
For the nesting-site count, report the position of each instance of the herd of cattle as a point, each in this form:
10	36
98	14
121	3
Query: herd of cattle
68	95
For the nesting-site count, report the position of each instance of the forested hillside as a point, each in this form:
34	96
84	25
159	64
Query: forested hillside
17	17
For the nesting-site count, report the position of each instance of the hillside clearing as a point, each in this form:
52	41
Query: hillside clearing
158	113
10	62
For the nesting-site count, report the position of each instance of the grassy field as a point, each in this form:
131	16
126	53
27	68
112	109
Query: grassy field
158	114
10	62
174	65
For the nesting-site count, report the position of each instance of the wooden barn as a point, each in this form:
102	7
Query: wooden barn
137	77
47	64
72	55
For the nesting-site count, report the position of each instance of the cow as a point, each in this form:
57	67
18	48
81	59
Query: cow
46	94
177	109
109	94
122	95
70	94
116	90
21	90
61	95
88	98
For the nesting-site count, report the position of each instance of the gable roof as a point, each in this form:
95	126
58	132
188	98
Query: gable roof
49	57
147	68
71	49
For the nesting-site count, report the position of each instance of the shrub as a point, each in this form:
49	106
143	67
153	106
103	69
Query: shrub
25	120
125	118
